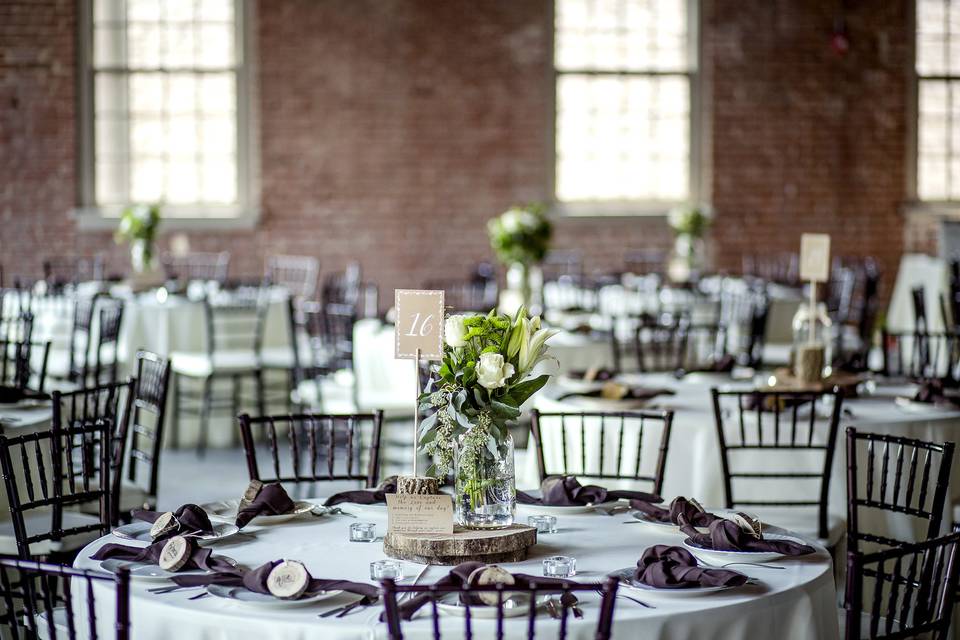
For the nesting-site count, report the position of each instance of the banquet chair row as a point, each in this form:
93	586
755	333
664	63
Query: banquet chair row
91	355
197	265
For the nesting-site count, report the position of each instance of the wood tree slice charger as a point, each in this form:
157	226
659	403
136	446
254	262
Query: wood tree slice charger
418	485
501	545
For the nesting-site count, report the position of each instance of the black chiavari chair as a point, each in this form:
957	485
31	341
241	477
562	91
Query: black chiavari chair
903	592
796	432
496	627
234	335
466	296
919	299
920	355
603	445
743	312
198	265
895	475
297	274
146	433
54	602
50	476
344	287
319	447
62	271
661	345
23	365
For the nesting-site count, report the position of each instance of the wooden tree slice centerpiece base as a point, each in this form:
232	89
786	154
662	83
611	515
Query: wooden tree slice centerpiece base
463	545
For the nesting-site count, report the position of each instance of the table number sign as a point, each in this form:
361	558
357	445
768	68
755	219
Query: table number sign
815	257
418	335
418	513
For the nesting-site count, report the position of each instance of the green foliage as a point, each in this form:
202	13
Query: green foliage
521	234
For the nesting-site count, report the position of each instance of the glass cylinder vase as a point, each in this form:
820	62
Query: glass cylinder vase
141	256
485	489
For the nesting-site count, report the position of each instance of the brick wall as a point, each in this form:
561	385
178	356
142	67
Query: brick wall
392	129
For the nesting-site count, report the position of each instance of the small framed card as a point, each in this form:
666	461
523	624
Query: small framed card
815	257
419	318
418	513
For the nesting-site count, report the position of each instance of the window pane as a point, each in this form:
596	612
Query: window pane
622	35
622	138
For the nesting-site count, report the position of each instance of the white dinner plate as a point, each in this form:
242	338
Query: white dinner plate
264	600
514	606
711	556
226	511
150	572
625	576
364	509
908	404
569	384
140	531
549	510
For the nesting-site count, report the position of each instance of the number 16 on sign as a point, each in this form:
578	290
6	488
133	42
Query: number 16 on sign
419	336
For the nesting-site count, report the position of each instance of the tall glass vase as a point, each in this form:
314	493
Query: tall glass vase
485	490
141	256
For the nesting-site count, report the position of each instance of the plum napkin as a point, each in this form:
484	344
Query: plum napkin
566	491
679	506
934	392
632	393
365	496
256	580
272	500
200	558
191	519
666	567
726	535
458	577
600	375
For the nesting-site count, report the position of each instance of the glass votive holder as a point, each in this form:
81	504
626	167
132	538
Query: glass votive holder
381	569
363	532
543	524
559	567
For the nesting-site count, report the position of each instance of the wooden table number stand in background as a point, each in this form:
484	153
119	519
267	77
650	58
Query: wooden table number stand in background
815	267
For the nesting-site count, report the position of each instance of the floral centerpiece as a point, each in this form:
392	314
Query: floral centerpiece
483	379
520	237
138	226
689	224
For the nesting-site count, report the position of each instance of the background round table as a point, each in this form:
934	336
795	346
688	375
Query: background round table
795	603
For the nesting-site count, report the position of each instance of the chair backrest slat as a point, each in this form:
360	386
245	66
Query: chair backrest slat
147	422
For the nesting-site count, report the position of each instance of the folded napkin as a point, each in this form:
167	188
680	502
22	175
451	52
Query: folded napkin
666	567
599	375
566	491
933	391
191	521
365	496
459	577
724	365
628	393
256	580
10	395
272	500
679	506
726	535
200	558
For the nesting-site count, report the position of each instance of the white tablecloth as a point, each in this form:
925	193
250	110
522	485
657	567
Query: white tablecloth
797	603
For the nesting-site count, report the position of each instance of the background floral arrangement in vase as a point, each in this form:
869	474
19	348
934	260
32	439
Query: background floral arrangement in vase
689	224
475	394
138	226
520	237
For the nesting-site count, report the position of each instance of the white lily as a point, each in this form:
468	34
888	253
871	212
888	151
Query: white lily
536	349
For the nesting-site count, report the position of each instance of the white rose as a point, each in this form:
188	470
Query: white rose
510	221
529	220
454	331
492	372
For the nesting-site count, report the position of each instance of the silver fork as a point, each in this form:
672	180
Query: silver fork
631	599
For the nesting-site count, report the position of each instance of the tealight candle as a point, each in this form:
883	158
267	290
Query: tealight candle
543	524
381	569
559	566
363	532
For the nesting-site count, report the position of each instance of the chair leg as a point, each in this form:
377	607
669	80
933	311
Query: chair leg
261	393
205	415
175	423
237	386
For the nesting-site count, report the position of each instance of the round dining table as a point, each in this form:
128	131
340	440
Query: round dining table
789	598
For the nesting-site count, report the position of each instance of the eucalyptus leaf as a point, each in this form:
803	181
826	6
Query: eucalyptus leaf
504	410
524	390
429	422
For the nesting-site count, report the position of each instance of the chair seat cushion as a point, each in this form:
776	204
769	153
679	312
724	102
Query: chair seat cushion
200	365
38	521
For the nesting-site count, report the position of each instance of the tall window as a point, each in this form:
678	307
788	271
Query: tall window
163	107
938	96
624	72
